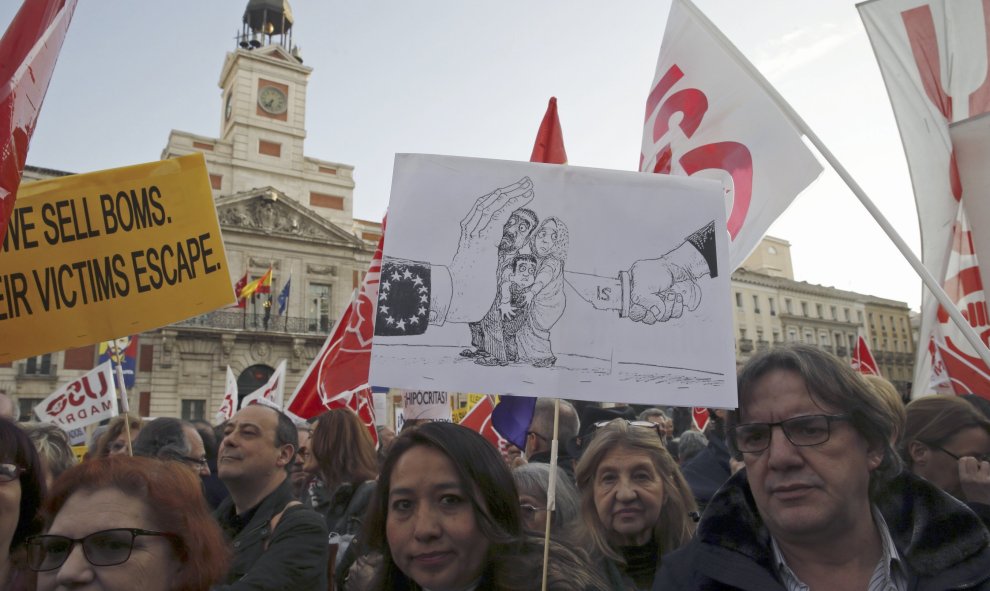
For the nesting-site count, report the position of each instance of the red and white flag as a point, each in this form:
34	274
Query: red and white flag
271	394
727	127
83	401
338	376
862	358
934	59
228	406
29	48
238	287
700	418
479	419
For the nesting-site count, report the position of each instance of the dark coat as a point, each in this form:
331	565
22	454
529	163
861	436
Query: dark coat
297	550
343	509
942	543
707	472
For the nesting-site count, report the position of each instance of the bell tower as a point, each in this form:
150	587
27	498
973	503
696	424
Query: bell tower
264	81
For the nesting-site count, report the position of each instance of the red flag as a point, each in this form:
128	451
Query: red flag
862	359
339	374
700	417
29	48
479	419
238	288
549	146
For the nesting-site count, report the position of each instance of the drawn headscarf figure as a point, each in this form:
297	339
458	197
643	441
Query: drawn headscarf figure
545	298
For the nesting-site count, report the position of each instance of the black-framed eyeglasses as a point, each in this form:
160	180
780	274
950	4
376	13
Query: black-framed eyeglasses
805	431
530	511
102	548
979	457
10	472
537	435
641	424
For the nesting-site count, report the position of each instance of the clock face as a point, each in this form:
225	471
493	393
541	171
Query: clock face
272	100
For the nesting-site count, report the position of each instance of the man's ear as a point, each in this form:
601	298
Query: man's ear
285	454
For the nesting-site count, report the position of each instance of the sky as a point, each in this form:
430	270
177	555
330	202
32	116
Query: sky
473	79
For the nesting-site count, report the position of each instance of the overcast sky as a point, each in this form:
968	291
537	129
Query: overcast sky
473	79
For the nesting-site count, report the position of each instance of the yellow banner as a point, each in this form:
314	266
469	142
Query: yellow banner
92	257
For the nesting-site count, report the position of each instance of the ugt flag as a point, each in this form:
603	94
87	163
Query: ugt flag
29	50
228	406
934	59
728	128
83	401
862	358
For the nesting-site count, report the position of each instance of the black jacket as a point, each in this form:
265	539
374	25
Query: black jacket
707	472
943	544
296	555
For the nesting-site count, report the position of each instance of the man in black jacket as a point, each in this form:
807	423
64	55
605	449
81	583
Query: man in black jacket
824	502
278	544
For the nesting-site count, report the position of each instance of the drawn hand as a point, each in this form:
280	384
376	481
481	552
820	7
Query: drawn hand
506	309
473	268
660	290
974	478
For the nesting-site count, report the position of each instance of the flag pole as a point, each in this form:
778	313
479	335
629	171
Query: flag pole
551	491
926	277
123	397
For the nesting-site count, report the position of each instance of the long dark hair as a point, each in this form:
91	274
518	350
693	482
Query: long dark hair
16	448
486	482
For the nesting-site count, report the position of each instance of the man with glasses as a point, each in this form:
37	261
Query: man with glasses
277	543
823	502
540	433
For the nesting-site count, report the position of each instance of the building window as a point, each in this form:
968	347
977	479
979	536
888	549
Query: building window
791	335
823	339
788	306
25	408
804	308
38	366
818	311
776	335
216	182
738	300
835	312
846	312
756	304
324	200
773	307
269	148
859	316
193	410
318	307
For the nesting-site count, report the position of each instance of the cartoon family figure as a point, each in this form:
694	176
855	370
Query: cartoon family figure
530	295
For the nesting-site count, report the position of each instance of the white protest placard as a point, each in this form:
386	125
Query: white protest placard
546	280
272	393
86	400
426	405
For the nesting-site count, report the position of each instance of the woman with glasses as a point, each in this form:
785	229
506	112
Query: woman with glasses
127	523
22	488
566	527
446	518
634	501
173	439
946	440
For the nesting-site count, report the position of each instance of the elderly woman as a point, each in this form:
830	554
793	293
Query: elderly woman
22	488
634	501
946	440
125	523
173	439
53	448
446	517
533	482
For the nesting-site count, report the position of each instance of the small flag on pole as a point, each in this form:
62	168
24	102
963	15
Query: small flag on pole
283	297
259	285
229	403
862	359
238	288
271	393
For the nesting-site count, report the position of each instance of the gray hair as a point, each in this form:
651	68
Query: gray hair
565	524
652	412
164	439
690	444
52	444
568	426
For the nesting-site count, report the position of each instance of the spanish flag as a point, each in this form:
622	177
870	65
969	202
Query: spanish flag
256	285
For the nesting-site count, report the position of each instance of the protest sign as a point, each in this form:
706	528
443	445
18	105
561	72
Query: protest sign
544	280
272	393
86	400
122	352
426	405
93	257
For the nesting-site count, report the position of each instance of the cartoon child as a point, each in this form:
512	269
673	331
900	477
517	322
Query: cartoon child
516	278
545	298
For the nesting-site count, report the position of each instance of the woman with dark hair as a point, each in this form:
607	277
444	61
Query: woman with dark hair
22	488
634	500
344	467
946	441
139	523
446	517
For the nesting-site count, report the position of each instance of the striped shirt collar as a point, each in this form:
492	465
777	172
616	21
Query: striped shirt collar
890	573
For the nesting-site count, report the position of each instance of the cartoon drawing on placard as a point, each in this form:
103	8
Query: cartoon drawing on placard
531	293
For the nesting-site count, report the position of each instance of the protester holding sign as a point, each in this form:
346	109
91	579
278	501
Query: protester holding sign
21	490
446	516
141	523
634	500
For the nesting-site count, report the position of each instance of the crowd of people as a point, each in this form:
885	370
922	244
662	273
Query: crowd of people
821	479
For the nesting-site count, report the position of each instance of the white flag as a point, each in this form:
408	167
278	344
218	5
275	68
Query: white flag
933	57
272	392
727	127
228	406
86	400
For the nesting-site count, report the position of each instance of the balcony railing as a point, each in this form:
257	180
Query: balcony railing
228	320
745	345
